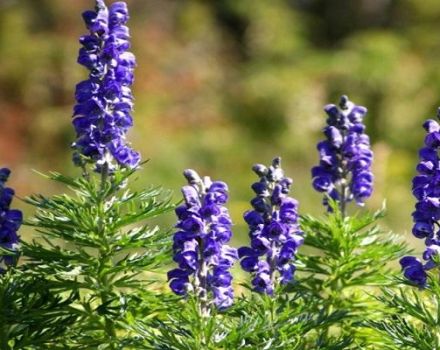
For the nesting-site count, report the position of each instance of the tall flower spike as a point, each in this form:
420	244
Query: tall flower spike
274	231
10	219
344	171
200	249
102	115
426	217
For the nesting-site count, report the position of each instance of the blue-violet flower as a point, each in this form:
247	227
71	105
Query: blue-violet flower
102	115
426	217
200	244
274	231
10	219
344	171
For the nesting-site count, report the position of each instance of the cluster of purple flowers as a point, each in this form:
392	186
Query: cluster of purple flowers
344	172
426	189
10	219
102	117
200	244
102	114
274	230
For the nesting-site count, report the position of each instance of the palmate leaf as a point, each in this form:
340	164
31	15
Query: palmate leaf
414	319
31	315
406	335
253	322
348	260
182	327
76	220
97	243
285	322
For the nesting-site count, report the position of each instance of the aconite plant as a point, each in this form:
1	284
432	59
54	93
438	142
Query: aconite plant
98	273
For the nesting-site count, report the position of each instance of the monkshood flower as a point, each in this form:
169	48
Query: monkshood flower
344	171
200	244
102	115
274	231
10	219
426	217
414	270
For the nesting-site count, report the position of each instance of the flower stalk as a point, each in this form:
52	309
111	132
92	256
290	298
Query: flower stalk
426	216
273	230
102	115
344	170
200	244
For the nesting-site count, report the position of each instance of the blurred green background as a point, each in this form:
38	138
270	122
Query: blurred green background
221	85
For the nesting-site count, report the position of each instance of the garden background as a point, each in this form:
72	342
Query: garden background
224	84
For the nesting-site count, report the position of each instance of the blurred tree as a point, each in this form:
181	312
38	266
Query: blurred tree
223	84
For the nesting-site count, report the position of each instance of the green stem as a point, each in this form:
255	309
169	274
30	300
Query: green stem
105	297
104	258
104	176
273	316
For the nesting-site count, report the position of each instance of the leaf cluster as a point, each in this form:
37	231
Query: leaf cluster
97	244
31	314
414	318
254	322
93	272
348	258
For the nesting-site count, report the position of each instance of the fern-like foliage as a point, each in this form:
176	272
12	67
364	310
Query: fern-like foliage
31	315
290	320
254	322
96	244
346	260
414	318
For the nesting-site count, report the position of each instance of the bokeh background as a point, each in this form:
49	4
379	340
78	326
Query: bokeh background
223	84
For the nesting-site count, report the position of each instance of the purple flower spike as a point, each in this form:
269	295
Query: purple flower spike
344	171
102	115
200	249
273	229
426	216
10	219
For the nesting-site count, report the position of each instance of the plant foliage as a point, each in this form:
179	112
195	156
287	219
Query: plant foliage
98	245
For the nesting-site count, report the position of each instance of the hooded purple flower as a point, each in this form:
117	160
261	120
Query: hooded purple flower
414	270
10	219
200	249
273	229
426	217
344	171
102	115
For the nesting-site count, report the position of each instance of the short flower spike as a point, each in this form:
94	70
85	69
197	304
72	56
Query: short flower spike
426	216
273	229
200	243
344	170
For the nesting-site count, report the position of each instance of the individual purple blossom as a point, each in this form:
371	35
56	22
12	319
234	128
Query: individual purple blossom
10	220
102	114
414	270
273	229
426	217
200	244
344	170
